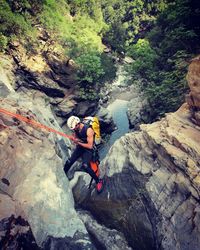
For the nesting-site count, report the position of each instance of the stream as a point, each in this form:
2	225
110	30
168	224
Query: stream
118	106
118	110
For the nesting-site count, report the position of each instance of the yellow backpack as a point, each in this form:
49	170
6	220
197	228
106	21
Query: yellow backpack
94	123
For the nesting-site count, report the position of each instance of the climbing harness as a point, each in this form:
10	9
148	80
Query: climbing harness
34	123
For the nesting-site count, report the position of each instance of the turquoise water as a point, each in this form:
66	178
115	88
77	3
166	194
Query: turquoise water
118	110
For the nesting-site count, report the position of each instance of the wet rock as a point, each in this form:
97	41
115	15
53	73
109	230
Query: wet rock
152	187
121	208
5	181
16	234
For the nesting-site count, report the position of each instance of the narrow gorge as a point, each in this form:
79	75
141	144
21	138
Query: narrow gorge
151	195
136	66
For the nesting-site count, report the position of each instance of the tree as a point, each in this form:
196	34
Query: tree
144	59
89	68
161	63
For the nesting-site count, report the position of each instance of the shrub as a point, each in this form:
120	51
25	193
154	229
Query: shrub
3	42
89	67
14	23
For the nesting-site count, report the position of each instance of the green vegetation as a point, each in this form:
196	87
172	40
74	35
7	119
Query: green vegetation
161	36
161	59
129	20
84	30
13	22
79	35
145	59
93	70
90	68
109	68
3	42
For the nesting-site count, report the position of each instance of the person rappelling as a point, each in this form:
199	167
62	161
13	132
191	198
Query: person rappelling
86	133
85	148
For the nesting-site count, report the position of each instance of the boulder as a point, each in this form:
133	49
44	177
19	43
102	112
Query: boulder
45	71
152	186
106	121
5	89
104	238
138	109
62	70
65	107
85	108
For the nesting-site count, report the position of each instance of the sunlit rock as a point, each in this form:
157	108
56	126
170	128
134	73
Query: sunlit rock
32	174
193	98
6	76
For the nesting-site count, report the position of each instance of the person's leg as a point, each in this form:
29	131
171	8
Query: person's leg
86	158
74	157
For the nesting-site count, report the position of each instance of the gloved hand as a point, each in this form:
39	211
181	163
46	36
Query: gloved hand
75	140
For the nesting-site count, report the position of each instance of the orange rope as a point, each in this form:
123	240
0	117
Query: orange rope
34	123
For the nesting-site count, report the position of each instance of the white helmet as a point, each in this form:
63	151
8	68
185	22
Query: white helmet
72	122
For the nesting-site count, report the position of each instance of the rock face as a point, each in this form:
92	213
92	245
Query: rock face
47	71
152	177
105	238
106	121
35	192
193	98
137	112
15	231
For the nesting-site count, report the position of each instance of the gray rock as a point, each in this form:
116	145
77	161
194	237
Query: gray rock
85	108
106	120
32	80
6	77
32	162
104	238
151	191
65	107
5	89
